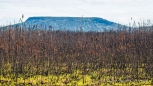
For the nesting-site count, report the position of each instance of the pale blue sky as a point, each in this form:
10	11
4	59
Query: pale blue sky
119	11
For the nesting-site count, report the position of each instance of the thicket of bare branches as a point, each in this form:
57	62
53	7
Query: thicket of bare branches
122	52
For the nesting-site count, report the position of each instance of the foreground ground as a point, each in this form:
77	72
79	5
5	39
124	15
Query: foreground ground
76	78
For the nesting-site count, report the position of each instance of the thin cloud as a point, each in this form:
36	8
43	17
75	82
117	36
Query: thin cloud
113	10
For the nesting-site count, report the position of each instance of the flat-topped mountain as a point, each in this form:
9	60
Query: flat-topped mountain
72	23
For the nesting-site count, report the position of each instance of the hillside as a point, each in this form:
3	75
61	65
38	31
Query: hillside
72	23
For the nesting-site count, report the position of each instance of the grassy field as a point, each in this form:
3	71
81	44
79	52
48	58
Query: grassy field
75	78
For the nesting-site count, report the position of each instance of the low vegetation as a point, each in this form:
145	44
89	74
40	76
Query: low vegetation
34	56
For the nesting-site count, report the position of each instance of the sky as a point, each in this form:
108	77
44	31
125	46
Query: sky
119	11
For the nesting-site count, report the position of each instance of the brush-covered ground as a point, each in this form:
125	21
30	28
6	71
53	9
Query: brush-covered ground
34	57
100	77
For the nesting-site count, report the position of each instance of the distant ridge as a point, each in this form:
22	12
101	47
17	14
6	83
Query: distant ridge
73	23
